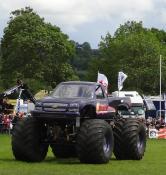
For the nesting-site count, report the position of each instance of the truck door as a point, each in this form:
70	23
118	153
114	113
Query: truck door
101	102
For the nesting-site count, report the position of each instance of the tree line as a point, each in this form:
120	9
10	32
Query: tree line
42	55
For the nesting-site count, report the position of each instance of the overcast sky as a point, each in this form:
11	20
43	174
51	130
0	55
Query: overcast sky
88	20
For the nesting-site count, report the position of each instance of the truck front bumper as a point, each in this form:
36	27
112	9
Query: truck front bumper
55	115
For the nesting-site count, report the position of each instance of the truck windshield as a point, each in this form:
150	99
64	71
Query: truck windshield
138	110
135	110
73	91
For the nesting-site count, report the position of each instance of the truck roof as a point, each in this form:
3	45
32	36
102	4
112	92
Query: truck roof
125	93
133	95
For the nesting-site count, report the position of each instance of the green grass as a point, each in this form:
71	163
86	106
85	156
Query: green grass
153	163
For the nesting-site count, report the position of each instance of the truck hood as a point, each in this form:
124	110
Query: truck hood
52	104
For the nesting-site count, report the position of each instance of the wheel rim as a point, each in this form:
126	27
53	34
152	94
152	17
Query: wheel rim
106	145
140	142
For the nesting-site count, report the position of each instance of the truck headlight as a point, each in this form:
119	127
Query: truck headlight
73	107
38	106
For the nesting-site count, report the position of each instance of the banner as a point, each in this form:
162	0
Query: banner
162	133
153	133
102	79
157	134
121	78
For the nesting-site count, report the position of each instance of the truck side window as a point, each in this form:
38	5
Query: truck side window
99	92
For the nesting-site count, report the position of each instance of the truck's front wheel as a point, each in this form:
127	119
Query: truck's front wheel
26	141
95	141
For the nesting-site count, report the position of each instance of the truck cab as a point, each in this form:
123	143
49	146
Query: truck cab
75	99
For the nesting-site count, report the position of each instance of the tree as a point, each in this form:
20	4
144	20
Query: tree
160	34
84	54
34	50
134	50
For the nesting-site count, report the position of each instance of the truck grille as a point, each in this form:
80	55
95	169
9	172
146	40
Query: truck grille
55	107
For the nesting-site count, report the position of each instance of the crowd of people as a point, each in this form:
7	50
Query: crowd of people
155	123
7	121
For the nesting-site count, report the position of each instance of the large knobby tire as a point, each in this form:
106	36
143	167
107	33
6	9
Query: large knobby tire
63	150
119	150
95	141
26	141
130	139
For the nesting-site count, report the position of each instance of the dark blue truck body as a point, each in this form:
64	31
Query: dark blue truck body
90	101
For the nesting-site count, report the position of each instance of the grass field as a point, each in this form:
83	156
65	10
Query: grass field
153	163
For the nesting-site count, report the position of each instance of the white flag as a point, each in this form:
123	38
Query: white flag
121	78
102	79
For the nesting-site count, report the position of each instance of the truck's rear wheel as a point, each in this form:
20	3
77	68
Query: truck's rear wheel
119	150
95	141
130	139
26	141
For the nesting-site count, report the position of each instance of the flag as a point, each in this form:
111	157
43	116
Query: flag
121	78
102	79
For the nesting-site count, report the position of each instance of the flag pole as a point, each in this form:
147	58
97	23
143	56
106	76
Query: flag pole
160	84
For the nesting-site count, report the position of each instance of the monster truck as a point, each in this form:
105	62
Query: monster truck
76	120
